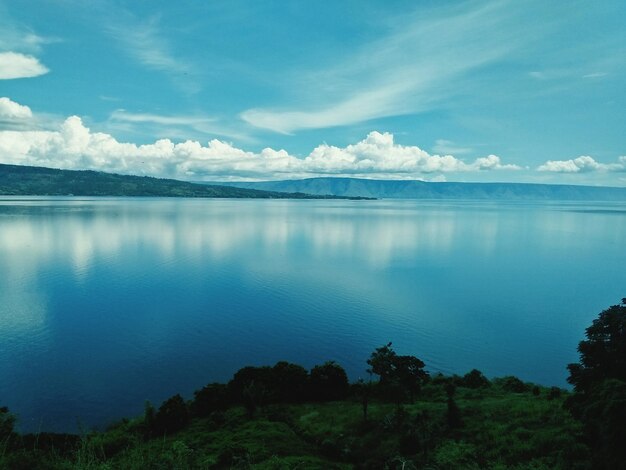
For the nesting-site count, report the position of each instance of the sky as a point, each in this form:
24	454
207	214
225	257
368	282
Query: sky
495	90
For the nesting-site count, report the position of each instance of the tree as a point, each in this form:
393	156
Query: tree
363	390
603	354
149	417
289	382
453	414
172	415
328	382
7	421
210	398
381	363
249	378
283	383
474	379
410	374
398	374
599	381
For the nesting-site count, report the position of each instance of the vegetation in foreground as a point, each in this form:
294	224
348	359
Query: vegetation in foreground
284	417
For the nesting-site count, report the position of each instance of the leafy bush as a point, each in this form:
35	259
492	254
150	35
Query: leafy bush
328	382
599	381
512	384
212	397
474	379
172	415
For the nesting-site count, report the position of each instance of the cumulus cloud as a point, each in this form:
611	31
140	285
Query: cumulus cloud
582	164
378	153
75	146
16	65
12	110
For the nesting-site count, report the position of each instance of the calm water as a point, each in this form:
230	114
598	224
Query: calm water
105	303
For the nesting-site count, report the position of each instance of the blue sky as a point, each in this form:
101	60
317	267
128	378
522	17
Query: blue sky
529	91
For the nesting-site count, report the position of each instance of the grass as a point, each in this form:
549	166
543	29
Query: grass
499	430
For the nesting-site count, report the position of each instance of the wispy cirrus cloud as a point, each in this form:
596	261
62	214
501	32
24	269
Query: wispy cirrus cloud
147	43
178	125
407	71
595	75
449	147
15	36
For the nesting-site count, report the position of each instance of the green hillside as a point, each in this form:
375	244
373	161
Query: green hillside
37	181
500	424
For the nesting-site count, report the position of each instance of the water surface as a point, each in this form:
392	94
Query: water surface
105	303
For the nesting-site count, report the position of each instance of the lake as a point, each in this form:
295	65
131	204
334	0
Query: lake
106	303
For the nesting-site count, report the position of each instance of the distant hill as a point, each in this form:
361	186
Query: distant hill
411	189
18	180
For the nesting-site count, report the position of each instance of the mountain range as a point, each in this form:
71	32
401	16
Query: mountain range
20	180
413	189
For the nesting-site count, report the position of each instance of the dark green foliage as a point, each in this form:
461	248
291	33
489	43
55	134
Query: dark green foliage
603	413
554	393
257	386
603	353
399	375
235	457
149	419
62	444
289	383
381	363
410	374
7	422
362	391
497	428
453	414
599	383
213	397
253	395
251	385
512	384
328	382
474	379
172	416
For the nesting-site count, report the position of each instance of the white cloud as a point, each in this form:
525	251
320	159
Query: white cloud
378	153
582	164
15	36
174	125
595	75
537	74
447	146
16	65
12	110
122	115
147	43
74	146
417	64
